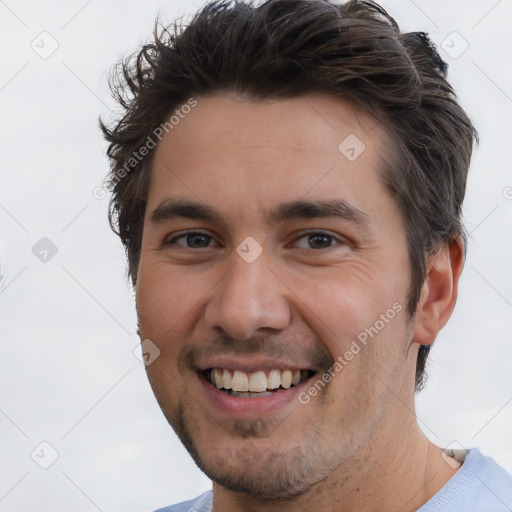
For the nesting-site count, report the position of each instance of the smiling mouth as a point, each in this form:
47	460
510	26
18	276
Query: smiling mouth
256	384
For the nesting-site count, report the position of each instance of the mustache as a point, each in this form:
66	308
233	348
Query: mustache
273	347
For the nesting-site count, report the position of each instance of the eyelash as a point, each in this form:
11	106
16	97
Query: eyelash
303	235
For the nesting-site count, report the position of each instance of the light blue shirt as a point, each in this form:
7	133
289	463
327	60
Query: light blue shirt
480	485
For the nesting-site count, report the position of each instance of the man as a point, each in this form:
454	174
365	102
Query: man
287	180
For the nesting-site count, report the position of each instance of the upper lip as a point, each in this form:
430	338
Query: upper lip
252	365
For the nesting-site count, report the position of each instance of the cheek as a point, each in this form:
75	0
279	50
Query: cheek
361	321
152	303
165	297
342	302
161	309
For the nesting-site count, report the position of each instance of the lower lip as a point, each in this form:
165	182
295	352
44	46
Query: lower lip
247	407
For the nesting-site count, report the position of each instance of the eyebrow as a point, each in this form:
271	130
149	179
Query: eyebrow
336	208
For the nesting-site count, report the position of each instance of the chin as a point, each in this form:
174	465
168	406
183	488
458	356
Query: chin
262	475
253	464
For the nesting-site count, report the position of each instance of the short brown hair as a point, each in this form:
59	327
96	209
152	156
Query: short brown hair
287	48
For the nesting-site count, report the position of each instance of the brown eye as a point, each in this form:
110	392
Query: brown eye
318	240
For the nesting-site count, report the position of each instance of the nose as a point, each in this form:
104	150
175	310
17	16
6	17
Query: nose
248	298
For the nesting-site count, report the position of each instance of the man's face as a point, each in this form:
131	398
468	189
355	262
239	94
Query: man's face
289	254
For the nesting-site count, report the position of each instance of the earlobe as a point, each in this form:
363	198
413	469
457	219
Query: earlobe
439	292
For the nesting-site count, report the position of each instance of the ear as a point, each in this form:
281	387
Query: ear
439	291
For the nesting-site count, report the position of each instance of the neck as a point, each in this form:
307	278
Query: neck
398	469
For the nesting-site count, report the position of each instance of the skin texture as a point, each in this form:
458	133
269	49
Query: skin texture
356	444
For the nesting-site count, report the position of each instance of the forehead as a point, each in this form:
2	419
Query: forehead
304	122
269	151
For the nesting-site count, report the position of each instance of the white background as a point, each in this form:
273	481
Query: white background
68	329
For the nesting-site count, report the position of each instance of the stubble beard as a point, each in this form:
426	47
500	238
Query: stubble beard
282	474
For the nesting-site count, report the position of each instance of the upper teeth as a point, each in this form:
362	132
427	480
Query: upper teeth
259	381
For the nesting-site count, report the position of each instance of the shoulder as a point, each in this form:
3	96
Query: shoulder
480	485
202	503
